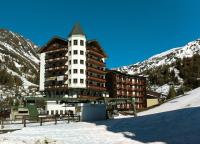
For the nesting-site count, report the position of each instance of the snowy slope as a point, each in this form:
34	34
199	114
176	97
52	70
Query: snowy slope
164	58
176	121
190	99
18	56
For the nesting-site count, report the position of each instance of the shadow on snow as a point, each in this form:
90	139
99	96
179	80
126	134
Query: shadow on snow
173	127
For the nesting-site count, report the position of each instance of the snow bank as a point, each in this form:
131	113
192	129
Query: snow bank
176	121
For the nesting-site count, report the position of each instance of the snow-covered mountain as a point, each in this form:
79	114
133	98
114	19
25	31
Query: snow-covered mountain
18	59
164	58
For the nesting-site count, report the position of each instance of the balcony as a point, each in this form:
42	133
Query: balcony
60	78
130	95
96	53
93	61
96	70
57	68
57	50
98	88
130	89
119	87
119	81
96	79
56	59
56	87
138	89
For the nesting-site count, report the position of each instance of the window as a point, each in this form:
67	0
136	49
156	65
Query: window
81	61
82	81
70	71
69	81
75	71
75	61
61	112
82	52
75	52
56	112
52	112
70	62
70	43
75	81
81	42
75	42
70	53
81	71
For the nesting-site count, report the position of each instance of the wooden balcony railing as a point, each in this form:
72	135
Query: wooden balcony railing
56	86
56	59
57	68
96	87
90	60
52	78
96	70
96	79
57	50
96	53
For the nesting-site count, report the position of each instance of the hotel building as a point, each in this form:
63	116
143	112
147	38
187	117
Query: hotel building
73	67
120	85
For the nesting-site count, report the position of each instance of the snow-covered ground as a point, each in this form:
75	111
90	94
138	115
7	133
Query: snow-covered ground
174	122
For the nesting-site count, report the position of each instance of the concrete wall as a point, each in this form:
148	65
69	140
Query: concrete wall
93	112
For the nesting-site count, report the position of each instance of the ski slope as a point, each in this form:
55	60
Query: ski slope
174	122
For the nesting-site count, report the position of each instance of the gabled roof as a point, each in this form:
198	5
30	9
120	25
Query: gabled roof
54	39
76	30
95	43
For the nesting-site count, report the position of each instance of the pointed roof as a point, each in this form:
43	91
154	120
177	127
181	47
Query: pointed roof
77	30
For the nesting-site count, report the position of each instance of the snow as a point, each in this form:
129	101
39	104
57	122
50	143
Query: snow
164	58
190	99
26	83
176	74
164	89
176	121
17	64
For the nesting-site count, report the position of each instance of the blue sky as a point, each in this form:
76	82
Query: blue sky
128	30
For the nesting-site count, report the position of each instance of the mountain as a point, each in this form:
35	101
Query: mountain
19	62
177	66
164	58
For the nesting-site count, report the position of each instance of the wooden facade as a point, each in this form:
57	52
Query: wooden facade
120	85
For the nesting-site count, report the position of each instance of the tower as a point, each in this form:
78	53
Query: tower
76	59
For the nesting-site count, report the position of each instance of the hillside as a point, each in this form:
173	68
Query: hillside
19	62
165	58
178	66
176	121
